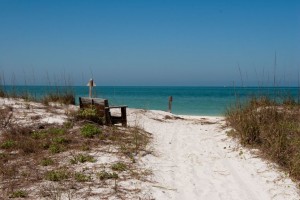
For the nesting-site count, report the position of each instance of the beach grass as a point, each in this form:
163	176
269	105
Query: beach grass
54	93
271	126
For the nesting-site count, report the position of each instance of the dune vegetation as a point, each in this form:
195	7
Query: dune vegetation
40	160
271	126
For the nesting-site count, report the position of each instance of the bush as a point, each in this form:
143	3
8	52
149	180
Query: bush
19	194
38	135
272	127
60	140
82	159
119	166
80	177
47	162
8	144
103	175
89	130
90	114
55	148
57	175
56	131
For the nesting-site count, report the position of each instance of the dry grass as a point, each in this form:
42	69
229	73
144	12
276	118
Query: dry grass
67	98
272	127
64	94
5	116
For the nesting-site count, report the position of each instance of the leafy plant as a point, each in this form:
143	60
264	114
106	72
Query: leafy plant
47	162
19	194
119	166
85	147
60	140
68	125
55	148
89	130
8	144
39	134
56	131
80	177
103	175
57	175
3	156
91	114
82	159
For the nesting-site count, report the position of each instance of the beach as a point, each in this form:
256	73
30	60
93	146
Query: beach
150	100
195	159
191	157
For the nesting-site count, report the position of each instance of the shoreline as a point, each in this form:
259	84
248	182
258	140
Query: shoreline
206	101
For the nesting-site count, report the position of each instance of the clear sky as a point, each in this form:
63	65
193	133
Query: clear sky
151	42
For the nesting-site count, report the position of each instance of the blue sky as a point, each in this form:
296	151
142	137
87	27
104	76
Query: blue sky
153	42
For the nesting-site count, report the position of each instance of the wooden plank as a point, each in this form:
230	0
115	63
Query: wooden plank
117	106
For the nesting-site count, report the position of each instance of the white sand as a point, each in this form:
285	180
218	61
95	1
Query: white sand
28	113
197	160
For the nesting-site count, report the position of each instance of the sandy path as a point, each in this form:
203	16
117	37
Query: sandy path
196	160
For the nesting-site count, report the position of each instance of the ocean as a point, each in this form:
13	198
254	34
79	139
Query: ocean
210	101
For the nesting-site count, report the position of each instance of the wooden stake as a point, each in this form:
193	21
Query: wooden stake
91	84
170	103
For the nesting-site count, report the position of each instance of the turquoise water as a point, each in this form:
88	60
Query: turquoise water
186	100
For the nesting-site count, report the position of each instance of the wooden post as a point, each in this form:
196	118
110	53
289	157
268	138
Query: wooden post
170	103
90	91
91	84
123	116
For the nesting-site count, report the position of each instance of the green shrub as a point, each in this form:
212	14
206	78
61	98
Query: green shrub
80	177
90	114
89	130
38	135
19	194
56	131
55	148
47	162
82	159
57	175
3	156
119	166
103	175
60	140
68	125
85	147
8	144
